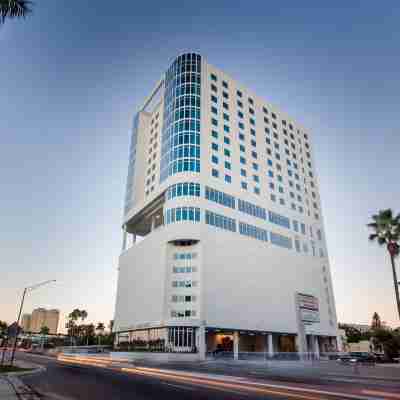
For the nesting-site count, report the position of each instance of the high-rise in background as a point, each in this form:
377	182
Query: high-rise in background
40	318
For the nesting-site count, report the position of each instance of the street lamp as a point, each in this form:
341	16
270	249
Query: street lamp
26	290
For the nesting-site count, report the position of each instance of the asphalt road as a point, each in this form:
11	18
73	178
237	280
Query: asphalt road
76	382
62	382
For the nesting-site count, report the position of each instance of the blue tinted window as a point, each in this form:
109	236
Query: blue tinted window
214	146
214	159
280	240
278	219
220	197
252	209
253	231
178	214
243	172
214	122
214	134
214	173
226	140
220	221
244	185
227	165
227	152
228	179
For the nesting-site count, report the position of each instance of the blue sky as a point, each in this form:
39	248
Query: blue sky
71	79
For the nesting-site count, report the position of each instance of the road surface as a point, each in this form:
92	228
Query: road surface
82	382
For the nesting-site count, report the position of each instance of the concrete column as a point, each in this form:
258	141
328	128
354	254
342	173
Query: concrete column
201	342
133	238
316	346
236	345
153	223
124	236
270	345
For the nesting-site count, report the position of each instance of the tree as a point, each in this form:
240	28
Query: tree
387	233
376	321
44	330
83	315
3	327
100	329
14	9
353	334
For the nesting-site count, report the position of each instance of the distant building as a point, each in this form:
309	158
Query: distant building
26	322
362	328
41	317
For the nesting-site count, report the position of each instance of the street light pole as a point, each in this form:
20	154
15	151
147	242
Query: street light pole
27	289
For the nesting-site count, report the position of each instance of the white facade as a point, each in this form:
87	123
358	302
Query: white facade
228	213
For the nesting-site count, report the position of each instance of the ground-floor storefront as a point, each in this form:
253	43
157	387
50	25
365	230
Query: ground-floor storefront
218	342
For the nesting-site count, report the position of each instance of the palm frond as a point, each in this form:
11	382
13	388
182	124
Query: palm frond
372	236
14	8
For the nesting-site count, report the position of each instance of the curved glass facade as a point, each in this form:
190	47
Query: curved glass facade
180	150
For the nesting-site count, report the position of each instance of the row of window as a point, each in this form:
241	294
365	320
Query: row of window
220	221
183	189
183	314
184	283
188	269
182	214
278	219
220	197
252	209
183	299
185	256
253	231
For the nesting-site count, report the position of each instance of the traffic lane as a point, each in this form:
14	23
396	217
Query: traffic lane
203	386
76	383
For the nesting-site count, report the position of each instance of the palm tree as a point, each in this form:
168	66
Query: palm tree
387	233
14	8
100	329
83	315
376	321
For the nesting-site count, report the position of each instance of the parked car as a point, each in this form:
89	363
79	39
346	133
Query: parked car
357	357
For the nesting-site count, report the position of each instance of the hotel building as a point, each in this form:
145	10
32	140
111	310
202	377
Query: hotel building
223	239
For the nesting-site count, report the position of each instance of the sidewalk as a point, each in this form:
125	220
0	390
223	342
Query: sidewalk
11	388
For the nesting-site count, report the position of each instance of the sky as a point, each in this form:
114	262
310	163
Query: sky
72	77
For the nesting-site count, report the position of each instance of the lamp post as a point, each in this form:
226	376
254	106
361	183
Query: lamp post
26	290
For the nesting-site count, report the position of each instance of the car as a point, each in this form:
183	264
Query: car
357	357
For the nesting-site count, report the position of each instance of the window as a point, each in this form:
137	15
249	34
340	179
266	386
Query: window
256	178
227	153
295	225
241	125
239	93
226	117
213	88
220	197
278	219
228	179
225	95
214	173
252	121
226	128
243	172
178	214
254	154
253	231
240	114
250	100
183	189
225	105
214	121
225	84
220	221
241	136
242	160
297	245
319	234
253	143
214	110
257	190
214	159
214	146
265	110
240	104
213	77
214	98
280	240
252	209
214	134
303	228
255	167
243	185
227	165
273	197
